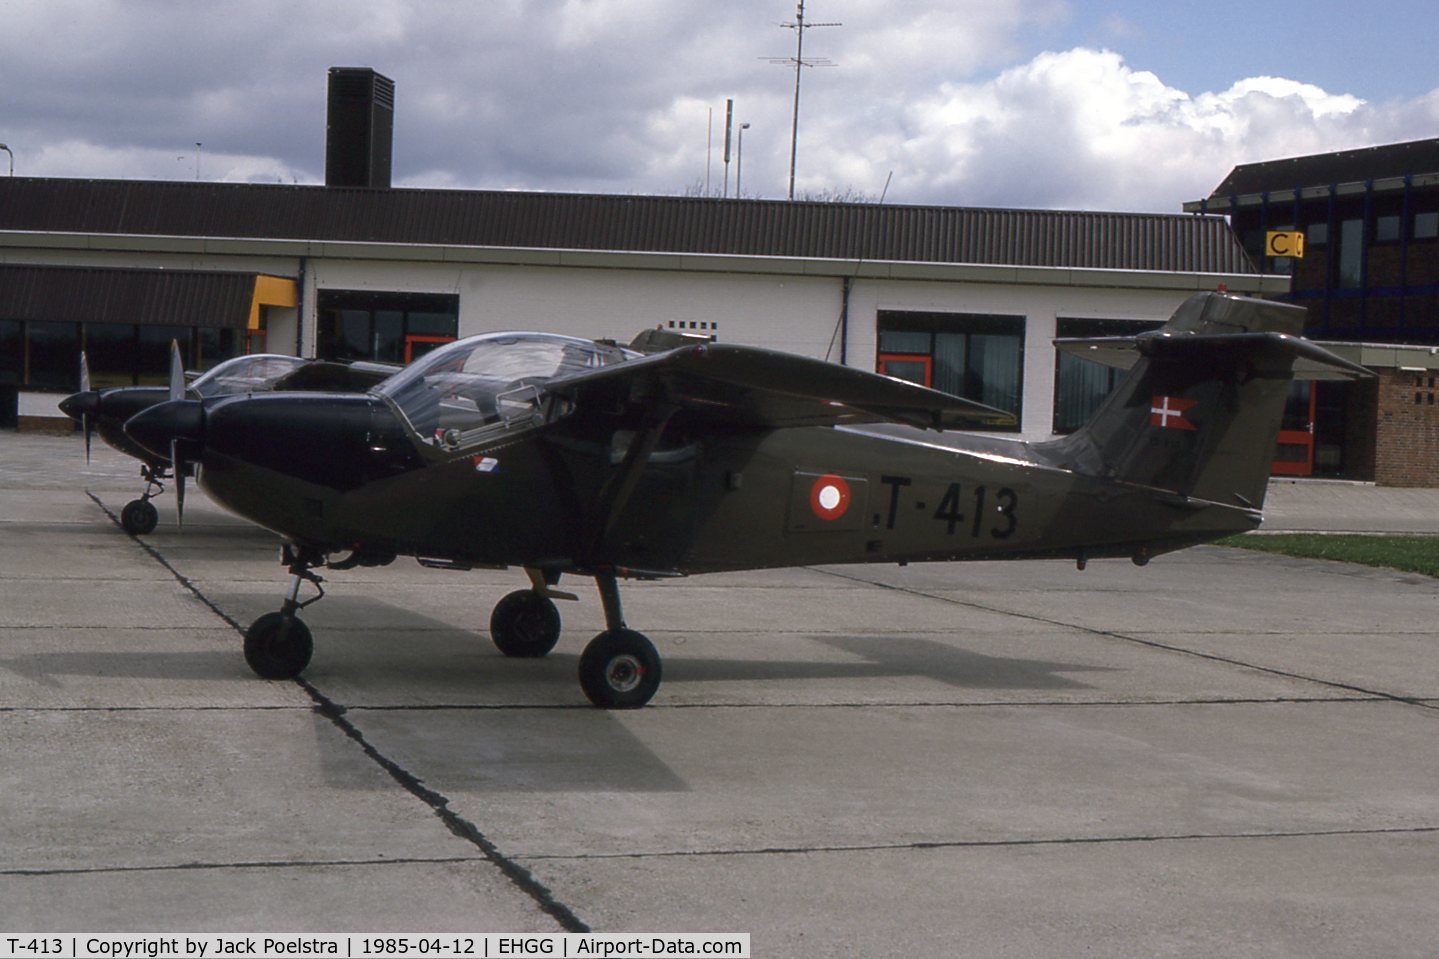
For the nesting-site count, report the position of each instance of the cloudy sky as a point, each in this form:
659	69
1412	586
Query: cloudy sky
1070	104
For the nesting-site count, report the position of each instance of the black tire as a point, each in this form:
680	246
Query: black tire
620	669
278	646
139	517
525	624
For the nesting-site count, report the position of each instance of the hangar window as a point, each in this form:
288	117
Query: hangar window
1351	254
12	347
1387	228
389	327
1081	385
53	351
978	356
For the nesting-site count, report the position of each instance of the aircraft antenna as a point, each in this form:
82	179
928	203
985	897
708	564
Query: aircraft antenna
799	27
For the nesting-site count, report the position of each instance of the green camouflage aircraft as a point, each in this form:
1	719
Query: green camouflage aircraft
565	456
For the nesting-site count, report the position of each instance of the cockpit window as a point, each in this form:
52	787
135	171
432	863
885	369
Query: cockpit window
245	374
481	381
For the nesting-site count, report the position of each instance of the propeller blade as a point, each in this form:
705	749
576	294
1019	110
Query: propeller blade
178	466
85	417
177	372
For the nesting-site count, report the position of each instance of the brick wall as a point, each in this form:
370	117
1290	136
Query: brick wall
1361	425
1407	434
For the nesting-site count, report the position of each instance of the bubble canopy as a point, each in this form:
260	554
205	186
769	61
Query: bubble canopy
245	374
490	379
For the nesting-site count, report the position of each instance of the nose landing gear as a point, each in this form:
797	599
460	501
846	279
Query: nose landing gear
139	516
279	645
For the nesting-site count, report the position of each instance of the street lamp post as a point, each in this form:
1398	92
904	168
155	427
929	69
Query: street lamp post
739	162
12	158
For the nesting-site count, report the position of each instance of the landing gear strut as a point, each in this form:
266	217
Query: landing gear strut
620	668
139	516
279	645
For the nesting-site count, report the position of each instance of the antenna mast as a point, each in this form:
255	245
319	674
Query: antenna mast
799	27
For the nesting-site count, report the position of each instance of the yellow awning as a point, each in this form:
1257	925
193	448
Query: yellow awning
272	291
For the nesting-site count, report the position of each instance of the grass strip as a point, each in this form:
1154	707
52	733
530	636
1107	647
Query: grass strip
1411	554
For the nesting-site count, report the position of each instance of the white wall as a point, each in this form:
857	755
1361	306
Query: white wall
796	314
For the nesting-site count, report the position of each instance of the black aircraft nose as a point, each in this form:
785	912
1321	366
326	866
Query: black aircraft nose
176	420
80	405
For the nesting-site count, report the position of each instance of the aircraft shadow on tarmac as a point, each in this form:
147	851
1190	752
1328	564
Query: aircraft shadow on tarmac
442	702
45	669
382	652
891	656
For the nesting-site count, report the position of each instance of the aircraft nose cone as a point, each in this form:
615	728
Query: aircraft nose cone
82	404
160	425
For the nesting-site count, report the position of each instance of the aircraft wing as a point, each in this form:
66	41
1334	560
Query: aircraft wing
1311	361
758	387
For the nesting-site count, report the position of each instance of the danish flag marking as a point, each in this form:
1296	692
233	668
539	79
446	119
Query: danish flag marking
1167	412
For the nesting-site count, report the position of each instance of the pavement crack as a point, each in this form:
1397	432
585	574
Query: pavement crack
519	876
244	864
158	557
439	804
931	844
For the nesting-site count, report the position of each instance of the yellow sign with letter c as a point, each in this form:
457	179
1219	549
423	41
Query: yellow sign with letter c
1284	243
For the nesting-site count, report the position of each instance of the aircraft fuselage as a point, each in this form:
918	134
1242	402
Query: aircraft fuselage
353	478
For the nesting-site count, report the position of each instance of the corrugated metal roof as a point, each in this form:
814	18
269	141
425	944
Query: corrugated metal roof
1176	243
1394	160
86	295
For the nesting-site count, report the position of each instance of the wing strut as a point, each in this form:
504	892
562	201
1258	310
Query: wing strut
617	492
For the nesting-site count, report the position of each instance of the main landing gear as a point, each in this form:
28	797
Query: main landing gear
139	516
619	668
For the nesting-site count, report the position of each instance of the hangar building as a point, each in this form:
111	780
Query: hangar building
966	300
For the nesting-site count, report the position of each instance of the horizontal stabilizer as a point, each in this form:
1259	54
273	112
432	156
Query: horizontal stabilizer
1311	361
758	387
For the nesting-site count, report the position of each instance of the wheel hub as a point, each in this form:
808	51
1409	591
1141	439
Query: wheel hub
624	673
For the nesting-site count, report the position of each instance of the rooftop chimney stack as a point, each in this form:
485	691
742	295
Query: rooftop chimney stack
360	128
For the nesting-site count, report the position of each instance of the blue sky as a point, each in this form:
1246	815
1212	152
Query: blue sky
1069	104
1377	51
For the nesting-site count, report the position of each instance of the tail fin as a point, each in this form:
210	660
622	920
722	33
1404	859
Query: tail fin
1200	410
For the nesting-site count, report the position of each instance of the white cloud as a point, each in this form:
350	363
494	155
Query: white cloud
613	95
1080	129
81	158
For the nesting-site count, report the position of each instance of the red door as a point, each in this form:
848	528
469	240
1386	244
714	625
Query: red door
1295	456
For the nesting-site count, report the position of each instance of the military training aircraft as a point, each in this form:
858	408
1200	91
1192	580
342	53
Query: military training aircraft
105	410
567	456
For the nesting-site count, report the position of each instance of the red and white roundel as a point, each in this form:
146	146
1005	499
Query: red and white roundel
829	497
